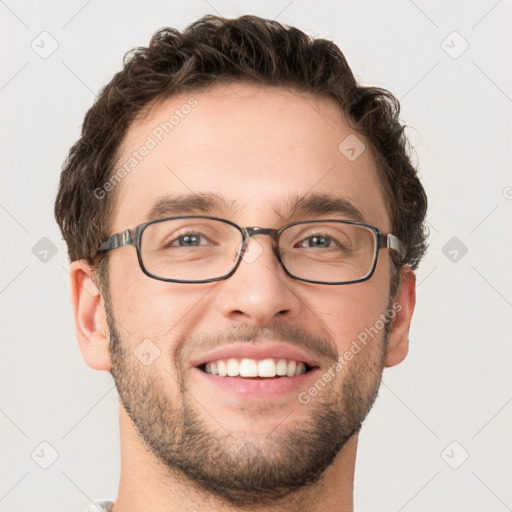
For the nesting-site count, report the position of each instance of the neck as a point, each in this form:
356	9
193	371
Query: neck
146	484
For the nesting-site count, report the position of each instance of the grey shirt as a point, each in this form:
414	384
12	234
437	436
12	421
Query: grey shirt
100	506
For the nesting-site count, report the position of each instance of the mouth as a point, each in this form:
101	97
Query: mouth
246	368
263	370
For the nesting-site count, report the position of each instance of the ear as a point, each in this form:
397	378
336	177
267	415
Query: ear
405	300
90	317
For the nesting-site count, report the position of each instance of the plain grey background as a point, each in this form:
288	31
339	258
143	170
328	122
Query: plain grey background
438	437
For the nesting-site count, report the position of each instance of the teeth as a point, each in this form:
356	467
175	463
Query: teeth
270	367
233	367
281	367
267	368
292	366
221	368
248	368
301	368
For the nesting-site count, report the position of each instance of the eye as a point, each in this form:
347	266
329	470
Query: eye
187	240
318	241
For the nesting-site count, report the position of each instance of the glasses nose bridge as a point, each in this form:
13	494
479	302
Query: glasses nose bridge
251	231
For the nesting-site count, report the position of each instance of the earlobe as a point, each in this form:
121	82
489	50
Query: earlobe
90	317
405	301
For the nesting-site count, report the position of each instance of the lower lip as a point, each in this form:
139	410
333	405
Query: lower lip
262	387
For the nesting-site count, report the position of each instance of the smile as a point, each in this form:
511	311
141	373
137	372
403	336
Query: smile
264	368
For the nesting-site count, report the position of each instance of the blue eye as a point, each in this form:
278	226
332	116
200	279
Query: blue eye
319	241
189	240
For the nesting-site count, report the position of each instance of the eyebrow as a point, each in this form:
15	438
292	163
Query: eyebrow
208	203
187	204
321	204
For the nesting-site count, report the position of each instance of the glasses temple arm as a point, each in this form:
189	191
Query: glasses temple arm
392	242
126	237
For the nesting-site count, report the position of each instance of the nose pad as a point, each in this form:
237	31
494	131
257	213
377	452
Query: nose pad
249	255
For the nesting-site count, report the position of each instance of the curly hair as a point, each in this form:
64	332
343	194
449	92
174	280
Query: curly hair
247	49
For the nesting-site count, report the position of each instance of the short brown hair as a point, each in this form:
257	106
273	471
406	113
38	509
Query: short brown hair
216	50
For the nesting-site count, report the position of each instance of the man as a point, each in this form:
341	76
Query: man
243	224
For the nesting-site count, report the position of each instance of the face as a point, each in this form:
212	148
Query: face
259	149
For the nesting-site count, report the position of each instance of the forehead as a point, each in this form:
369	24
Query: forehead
256	155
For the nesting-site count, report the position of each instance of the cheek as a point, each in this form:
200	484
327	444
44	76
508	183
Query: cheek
148	309
351	313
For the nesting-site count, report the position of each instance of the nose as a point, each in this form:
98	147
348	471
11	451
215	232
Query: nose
260	289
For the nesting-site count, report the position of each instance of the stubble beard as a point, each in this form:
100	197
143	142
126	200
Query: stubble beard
239	468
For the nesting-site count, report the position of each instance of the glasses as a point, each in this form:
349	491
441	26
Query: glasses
203	249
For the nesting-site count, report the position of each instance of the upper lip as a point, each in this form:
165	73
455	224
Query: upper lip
259	351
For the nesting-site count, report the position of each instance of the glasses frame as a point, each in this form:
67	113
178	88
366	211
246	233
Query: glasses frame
133	236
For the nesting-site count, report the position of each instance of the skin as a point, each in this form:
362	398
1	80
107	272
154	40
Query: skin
255	146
